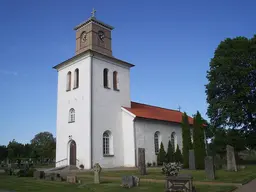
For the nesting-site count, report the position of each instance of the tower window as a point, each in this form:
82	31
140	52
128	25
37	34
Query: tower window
115	81
76	79
105	78
68	81
107	144
72	114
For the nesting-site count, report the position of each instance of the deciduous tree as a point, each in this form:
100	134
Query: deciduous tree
231	90
44	145
3	152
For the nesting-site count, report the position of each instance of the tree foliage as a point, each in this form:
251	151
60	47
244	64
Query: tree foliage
161	157
15	150
43	145
199	141
170	153
186	140
178	156
233	137
231	91
3	152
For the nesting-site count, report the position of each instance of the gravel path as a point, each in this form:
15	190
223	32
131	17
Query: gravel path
249	187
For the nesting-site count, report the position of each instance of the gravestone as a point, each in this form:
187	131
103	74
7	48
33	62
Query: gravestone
64	174
71	179
209	167
57	177
97	171
49	176
130	181
192	163
231	161
218	162
180	183
38	174
136	181
142	161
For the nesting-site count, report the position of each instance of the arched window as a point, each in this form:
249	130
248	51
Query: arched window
69	81
107	143
173	140
156	141
76	79
72	115
105	78
115	81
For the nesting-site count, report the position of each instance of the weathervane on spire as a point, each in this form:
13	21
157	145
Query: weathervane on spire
93	12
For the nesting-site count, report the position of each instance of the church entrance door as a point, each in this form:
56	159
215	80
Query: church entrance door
72	153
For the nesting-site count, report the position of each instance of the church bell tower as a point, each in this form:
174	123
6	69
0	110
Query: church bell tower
93	35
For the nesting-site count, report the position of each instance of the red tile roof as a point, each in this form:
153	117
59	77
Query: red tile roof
156	113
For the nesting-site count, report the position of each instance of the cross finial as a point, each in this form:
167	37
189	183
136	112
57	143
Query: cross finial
93	12
179	108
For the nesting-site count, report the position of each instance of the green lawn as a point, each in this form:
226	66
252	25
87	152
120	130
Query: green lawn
242	176
32	185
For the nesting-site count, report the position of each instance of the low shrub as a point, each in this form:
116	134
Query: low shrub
154	164
149	164
30	172
171	169
81	166
9	171
21	173
26	172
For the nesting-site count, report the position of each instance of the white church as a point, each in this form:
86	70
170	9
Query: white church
96	120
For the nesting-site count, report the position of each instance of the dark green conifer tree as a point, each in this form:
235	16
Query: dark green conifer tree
186	140
199	141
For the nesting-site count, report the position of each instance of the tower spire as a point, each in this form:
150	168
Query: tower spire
93	13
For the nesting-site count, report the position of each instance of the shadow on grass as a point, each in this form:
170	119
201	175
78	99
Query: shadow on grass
106	182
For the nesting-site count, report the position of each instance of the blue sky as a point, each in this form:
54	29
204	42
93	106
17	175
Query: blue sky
170	42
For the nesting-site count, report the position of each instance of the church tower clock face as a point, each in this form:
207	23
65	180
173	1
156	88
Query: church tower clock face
83	37
101	35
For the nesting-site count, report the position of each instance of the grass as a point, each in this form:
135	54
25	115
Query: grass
32	185
242	176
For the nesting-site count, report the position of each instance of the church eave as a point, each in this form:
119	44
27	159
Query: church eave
96	53
93	19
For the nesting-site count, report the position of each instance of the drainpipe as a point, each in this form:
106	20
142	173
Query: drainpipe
91	120
135	143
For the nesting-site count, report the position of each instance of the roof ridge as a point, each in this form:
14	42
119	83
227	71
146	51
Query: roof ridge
157	107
